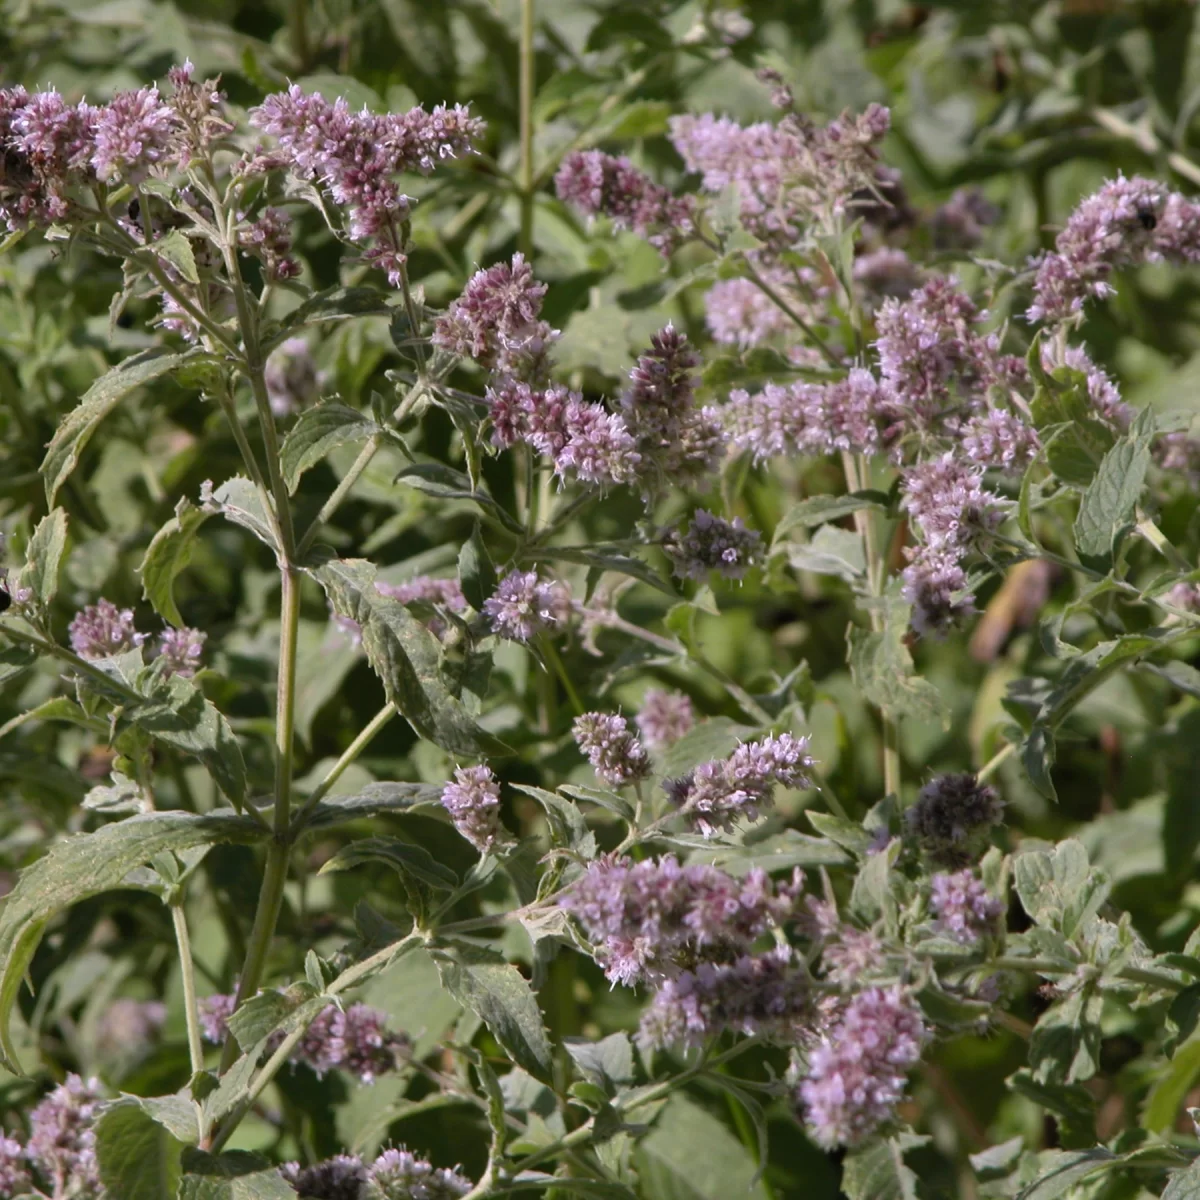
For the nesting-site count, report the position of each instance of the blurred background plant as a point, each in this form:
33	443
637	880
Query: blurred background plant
1034	105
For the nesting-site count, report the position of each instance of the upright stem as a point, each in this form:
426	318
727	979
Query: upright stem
525	241
188	971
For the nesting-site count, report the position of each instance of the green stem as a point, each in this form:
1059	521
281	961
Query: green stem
527	65
551	653
356	747
996	761
788	311
187	969
225	400
360	464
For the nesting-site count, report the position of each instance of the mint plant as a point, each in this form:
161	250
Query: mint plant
605	902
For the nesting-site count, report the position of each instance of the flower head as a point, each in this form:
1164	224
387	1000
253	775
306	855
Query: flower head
763	995
664	718
524	606
132	134
340	1178
473	801
962	907
61	1143
496	321
952	817
856	1075
613	749
651	917
102	630
597	183
180	651
712	543
741	786
15	1179
399	1174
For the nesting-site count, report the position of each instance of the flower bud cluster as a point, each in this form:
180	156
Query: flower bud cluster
648	918
60	1152
524	605
614	750
713	544
952	818
739	787
473	801
102	630
664	718
962	907
856	1074
396	1174
355	1040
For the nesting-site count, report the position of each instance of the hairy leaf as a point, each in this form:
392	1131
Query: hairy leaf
1107	508
317	431
234	1175
139	1159
98	401
169	552
87	864
43	557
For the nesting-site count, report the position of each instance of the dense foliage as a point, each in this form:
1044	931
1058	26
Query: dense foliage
599	599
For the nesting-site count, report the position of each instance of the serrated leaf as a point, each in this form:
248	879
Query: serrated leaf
567	826
607	1062
405	656
73	434
371	800
830	551
1060	890
877	1171
882	669
43	557
1106	511
318	431
234	1175
270	1010
1063	1169
437	479
169	552
179	715
1065	1045
85	865
603	558
332	304
1183	1185
690	1155
476	572
239	501
819	510
138	1158
404	857
177	250
501	996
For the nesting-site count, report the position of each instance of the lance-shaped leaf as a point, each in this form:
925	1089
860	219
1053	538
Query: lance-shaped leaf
98	401
405	656
498	993
234	1175
178	714
882	668
317	431
139	1158
86	865
1107	508
170	550
43	557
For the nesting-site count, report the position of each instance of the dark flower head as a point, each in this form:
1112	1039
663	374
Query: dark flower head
952	817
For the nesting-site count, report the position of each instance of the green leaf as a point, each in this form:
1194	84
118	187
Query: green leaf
501	996
604	558
1106	511
567	826
831	551
1060	890
1065	1045
333	304
137	1157
43	557
1064	1169
1176	1080
607	1062
272	1010
234	1175
1184	1185
317	431
405	656
882	669
877	1170
239	501
85	865
372	800
98	401
177	250
818	510
716	738
179	715
436	479
404	857
169	552
690	1155
476	572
